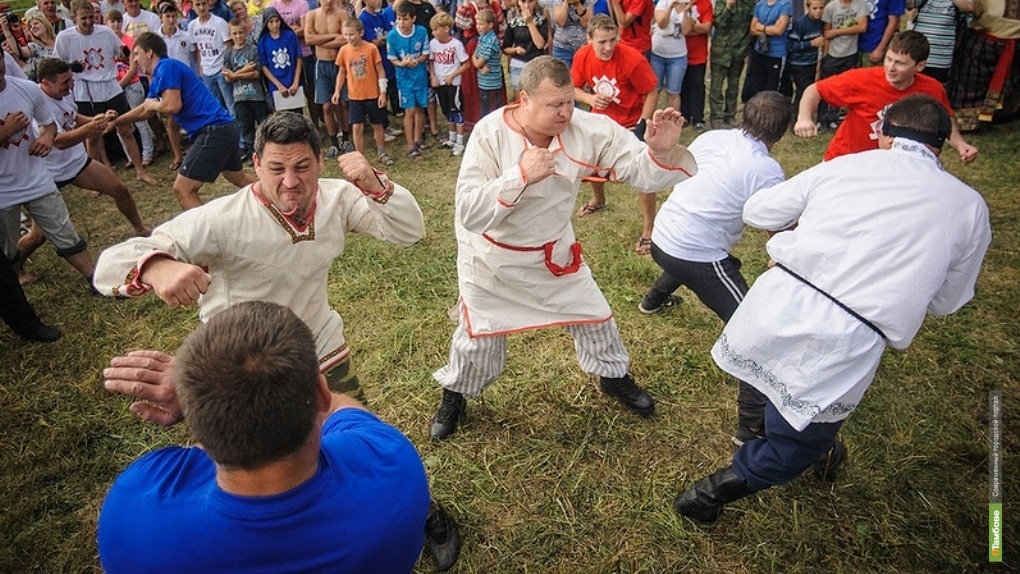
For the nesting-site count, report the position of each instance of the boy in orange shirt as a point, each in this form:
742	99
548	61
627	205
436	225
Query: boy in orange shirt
361	68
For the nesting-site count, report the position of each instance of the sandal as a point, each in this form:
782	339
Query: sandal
413	153
175	164
385	159
644	246
588	209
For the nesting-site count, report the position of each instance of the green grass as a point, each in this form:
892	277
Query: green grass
547	475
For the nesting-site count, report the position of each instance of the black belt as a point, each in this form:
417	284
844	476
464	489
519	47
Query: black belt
855	314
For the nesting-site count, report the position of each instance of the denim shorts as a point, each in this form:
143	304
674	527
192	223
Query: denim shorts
669	71
214	150
325	81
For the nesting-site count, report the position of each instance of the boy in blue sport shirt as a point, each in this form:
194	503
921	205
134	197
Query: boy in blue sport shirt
408	50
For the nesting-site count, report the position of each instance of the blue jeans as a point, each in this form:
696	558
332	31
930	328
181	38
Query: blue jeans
566	55
221	90
784	453
669	71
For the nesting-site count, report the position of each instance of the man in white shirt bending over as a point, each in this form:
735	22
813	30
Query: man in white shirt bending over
866	245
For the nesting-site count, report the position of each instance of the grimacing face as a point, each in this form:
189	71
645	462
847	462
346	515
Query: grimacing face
288	176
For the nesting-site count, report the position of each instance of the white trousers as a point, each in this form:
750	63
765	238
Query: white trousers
476	362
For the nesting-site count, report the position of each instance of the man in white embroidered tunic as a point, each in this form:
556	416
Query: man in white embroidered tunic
518	264
274	240
881	237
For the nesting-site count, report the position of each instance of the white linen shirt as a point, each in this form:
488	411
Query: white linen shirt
702	219
253	253
887	233
502	222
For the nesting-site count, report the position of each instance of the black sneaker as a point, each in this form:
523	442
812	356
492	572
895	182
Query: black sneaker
450	412
442	536
827	468
625	390
745	434
650	309
40	333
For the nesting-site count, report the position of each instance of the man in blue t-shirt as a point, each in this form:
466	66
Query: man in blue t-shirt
290	476
175	89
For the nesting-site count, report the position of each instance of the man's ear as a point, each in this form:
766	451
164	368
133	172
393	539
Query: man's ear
918	67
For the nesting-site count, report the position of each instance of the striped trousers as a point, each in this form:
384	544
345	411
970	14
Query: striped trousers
476	362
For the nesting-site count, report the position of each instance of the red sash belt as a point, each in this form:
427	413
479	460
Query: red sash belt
556	270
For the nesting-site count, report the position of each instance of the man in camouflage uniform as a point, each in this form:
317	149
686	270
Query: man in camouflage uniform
729	48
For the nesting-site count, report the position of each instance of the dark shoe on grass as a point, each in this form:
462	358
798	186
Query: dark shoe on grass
625	390
648	307
40	333
442	536
704	501
451	410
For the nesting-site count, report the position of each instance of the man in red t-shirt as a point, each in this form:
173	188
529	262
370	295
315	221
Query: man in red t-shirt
867	92
616	80
635	20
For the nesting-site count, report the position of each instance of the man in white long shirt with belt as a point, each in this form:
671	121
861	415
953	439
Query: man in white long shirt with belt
881	238
519	266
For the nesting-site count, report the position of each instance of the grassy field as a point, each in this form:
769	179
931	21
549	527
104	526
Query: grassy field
548	475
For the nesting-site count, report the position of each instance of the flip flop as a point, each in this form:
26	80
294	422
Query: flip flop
175	165
588	209
644	246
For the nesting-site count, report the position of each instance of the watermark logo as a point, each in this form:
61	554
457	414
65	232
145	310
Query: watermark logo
995	476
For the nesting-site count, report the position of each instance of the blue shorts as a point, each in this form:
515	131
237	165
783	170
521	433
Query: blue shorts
417	97
325	81
360	109
213	151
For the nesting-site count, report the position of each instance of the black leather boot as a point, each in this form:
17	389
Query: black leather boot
704	501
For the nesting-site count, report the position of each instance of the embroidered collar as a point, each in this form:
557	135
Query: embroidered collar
910	146
297	232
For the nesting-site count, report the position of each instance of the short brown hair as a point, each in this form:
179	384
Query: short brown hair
248	381
50	68
601	22
486	15
911	43
767	116
544	68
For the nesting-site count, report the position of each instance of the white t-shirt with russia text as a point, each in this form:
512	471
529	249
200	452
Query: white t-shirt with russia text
447	57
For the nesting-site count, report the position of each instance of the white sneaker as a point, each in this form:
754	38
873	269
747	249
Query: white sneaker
448	144
394	131
458	149
388	137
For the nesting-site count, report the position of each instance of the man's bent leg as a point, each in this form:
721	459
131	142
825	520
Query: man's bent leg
600	352
99	177
783	453
186	191
474	364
